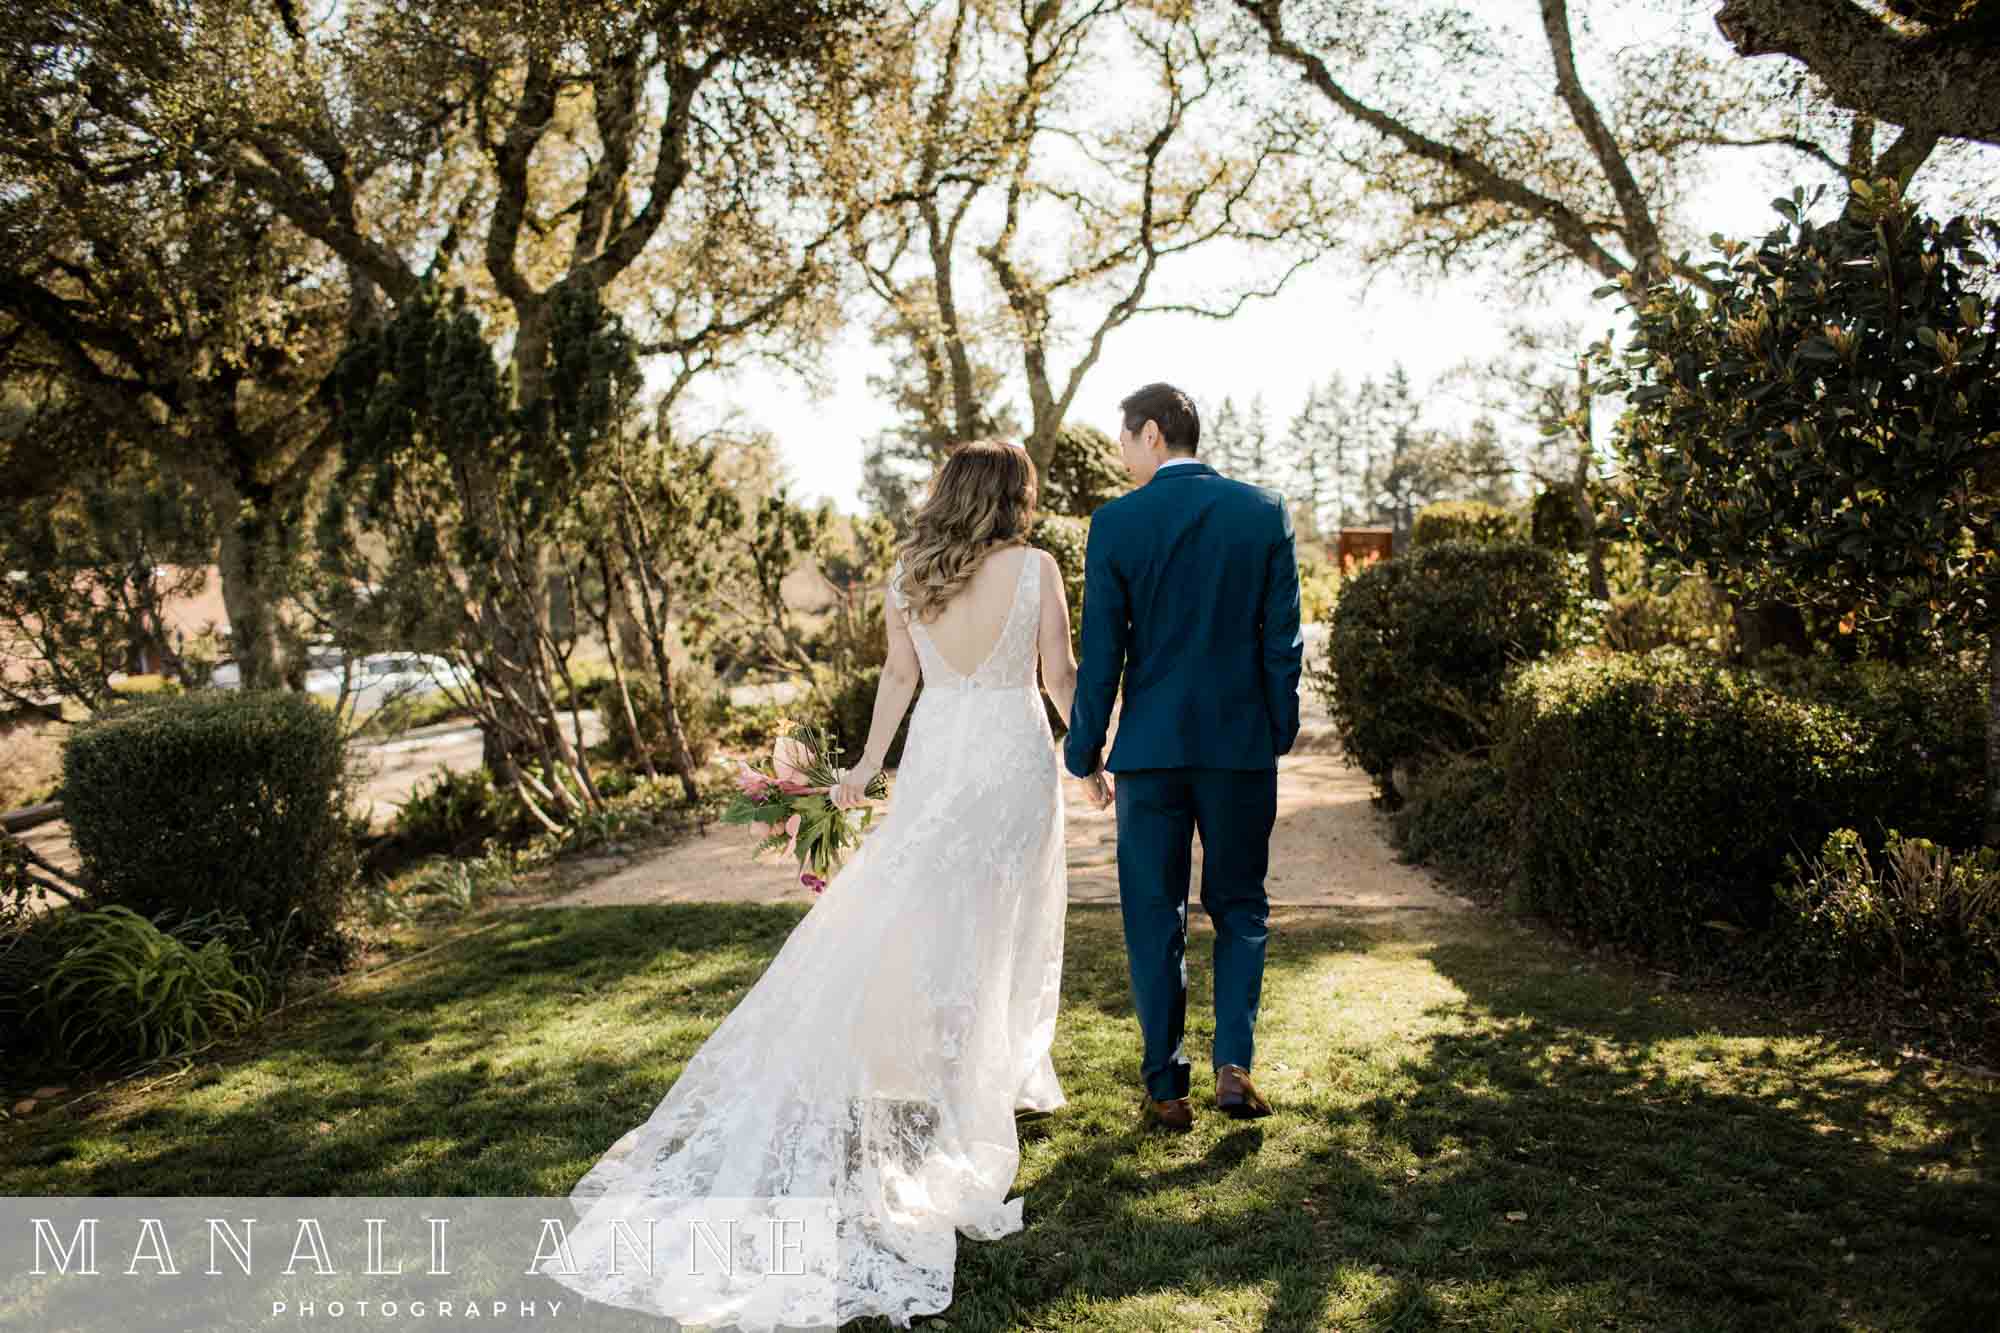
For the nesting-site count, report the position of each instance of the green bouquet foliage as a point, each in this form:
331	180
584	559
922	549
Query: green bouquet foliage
792	801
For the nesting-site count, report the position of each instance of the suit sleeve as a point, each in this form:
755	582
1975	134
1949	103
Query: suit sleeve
1106	633
1284	643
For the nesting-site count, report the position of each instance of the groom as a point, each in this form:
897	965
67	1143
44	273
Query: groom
1191	593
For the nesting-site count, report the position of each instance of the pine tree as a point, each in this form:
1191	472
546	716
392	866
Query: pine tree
1221	438
1254	458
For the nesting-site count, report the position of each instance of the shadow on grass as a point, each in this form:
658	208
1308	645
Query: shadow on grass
502	1065
1517	1140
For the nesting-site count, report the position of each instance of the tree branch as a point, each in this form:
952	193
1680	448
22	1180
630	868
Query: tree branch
1935	81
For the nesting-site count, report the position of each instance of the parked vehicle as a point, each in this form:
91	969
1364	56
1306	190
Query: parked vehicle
376	679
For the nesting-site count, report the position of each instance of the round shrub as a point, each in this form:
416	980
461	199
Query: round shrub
1066	539
216	800
1462	521
1319	584
1655	799
1419	646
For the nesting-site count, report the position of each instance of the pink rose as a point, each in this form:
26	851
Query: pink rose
812	881
791	758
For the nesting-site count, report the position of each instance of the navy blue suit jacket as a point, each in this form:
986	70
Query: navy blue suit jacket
1191	595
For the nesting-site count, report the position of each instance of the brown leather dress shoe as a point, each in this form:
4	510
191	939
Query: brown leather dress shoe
1176	1113
1236	1096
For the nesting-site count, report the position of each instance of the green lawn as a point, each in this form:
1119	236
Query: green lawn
1477	1128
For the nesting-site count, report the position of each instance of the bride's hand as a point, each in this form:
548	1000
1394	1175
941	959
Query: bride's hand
1102	793
852	789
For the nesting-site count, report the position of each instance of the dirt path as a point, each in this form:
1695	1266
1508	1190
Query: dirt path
1329	849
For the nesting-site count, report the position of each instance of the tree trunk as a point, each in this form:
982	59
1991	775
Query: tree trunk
1992	833
255	629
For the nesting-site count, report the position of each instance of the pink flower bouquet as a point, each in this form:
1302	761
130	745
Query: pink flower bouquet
792	800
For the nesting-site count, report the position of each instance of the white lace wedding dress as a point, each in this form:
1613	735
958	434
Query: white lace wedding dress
882	1055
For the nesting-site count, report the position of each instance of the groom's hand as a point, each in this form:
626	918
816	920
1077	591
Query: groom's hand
1102	792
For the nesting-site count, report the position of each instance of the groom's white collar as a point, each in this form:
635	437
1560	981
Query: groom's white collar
1174	462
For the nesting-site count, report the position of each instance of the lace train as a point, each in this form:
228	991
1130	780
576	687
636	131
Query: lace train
879	1060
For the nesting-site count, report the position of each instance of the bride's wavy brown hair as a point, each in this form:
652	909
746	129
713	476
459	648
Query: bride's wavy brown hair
983	497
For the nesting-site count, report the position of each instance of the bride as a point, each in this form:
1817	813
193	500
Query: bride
877	1065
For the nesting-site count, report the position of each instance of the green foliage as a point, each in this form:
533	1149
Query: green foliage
1656	605
1824	431
124	990
1554	520
1456	818
1319	583
1066	539
1462	521
1085	470
86	570
701	705
234	800
1420	645
1915	920
457	812
846	707
1922	727
30	945
1656	799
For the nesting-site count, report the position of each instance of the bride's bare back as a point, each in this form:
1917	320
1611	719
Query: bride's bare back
968	628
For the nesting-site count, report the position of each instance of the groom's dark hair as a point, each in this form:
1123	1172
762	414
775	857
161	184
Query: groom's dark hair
1168	408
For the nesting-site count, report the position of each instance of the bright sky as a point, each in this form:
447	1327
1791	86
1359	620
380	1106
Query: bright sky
1279	348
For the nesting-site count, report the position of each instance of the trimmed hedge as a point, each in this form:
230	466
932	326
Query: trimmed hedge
1656	800
1457	819
1419	646
216	800
1924	726
1462	521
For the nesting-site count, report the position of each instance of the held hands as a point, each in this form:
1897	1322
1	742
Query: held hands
852	788
1102	792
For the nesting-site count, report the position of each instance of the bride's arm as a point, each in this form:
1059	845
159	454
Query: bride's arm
1058	660
900	675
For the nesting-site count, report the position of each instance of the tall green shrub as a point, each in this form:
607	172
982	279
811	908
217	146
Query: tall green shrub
1419	646
216	800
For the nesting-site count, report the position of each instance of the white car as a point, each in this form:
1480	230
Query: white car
380	677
